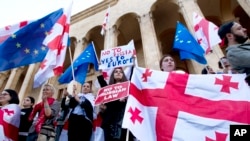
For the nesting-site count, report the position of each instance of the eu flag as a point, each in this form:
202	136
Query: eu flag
187	46
25	46
80	66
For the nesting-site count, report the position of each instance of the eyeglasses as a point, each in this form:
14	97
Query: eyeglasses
4	94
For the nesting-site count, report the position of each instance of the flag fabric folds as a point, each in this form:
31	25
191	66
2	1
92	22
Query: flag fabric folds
57	42
187	46
8	30
105	22
162	104
206	33
25	44
9	122
80	66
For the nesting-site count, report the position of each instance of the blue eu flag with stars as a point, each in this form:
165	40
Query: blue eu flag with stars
187	46
80	66
25	46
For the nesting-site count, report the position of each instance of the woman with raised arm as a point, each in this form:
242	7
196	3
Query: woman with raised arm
113	112
81	117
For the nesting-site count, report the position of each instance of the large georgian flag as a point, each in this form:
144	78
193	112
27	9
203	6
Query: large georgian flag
173	106
9	122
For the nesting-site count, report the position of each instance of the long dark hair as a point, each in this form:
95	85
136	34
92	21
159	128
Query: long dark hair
14	96
112	79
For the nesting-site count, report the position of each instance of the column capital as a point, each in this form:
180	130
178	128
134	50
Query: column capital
145	16
3	76
84	40
115	30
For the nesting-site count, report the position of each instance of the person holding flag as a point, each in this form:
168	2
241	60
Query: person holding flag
81	117
9	115
167	63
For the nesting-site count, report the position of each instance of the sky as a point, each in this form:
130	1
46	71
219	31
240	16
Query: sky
14	11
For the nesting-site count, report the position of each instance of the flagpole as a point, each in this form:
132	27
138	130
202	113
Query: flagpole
71	61
132	70
95	51
108	32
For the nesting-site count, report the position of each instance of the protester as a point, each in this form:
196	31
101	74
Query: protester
62	120
80	120
48	109
238	50
167	63
113	112
207	70
10	115
224	65
25	123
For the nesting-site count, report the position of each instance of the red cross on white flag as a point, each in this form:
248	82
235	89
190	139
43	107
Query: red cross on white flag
57	42
162	105
105	22
7	31
206	32
9	122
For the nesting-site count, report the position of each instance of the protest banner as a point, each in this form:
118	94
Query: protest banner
112	93
118	56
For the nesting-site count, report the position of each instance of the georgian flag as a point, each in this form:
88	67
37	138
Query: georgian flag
206	32
212	129
105	22
135	122
57	42
9	122
163	104
7	31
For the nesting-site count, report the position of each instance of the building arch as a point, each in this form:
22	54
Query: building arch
165	15
127	28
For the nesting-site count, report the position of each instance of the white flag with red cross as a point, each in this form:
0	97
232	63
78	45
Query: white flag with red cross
206	32
57	42
9	30
105	22
9	122
162	105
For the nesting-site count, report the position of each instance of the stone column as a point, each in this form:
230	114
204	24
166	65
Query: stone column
187	7
79	47
149	42
111	36
245	4
13	78
27	82
3	76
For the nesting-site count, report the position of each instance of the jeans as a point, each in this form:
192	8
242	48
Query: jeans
32	136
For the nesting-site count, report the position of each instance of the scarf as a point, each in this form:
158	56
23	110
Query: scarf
41	118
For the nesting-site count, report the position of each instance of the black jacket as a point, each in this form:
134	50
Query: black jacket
86	105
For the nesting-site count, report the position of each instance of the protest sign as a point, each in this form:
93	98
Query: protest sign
112	93
118	56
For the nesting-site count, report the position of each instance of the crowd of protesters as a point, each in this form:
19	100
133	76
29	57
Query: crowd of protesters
46	120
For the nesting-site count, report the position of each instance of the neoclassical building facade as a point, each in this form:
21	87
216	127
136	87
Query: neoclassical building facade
150	23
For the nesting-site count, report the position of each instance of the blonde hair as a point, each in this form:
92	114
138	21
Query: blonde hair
52	88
